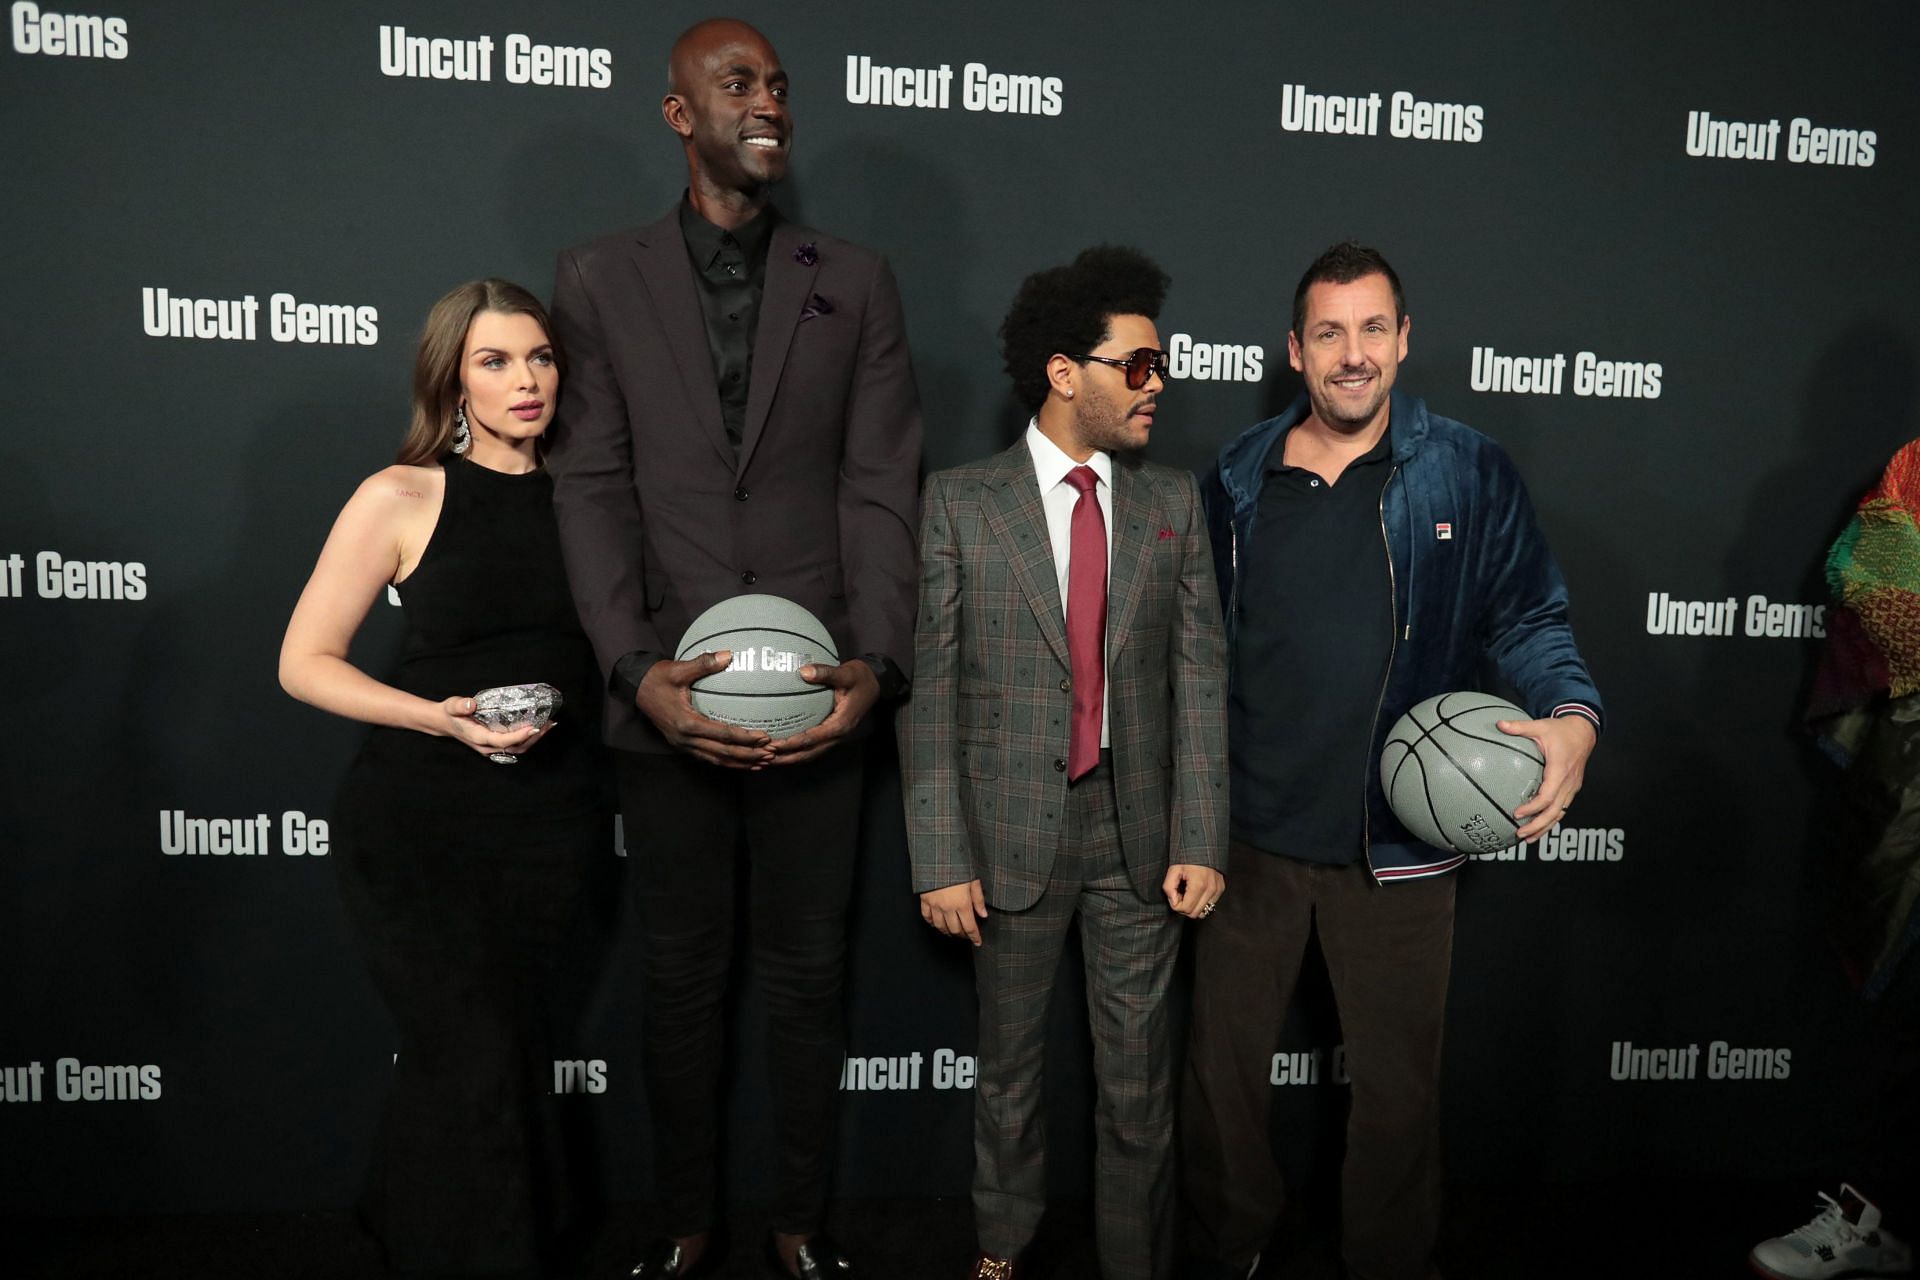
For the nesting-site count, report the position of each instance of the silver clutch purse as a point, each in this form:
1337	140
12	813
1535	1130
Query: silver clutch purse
515	706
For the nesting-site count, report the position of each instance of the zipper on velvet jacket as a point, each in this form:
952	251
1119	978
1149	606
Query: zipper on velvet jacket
1233	573
1386	677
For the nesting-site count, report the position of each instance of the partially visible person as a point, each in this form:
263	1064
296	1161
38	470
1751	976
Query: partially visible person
1063	754
462	851
1864	712
1372	554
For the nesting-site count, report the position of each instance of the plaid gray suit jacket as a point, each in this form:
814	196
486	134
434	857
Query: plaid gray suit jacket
983	739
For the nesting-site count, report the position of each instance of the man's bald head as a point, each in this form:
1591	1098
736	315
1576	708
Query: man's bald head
727	99
703	41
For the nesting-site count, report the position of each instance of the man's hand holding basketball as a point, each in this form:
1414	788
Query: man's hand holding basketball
855	690
1566	742
665	698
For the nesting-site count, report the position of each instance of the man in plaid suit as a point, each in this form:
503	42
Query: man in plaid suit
1064	750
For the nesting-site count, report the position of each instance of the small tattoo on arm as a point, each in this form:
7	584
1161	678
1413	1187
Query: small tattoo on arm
409	493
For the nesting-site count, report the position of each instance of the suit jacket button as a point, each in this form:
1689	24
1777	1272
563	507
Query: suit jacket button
741	494
1066	686
749	578
1059	766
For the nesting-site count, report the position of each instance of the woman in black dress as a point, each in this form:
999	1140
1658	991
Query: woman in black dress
461	874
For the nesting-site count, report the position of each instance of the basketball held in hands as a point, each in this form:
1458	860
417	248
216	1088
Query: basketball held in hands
770	638
1453	779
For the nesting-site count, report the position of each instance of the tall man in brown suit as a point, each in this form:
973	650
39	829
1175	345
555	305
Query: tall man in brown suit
1065	747
738	415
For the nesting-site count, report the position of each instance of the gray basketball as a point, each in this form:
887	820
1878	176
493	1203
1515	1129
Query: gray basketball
1453	779
770	638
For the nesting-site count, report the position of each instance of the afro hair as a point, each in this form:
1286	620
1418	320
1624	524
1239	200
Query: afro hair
1066	310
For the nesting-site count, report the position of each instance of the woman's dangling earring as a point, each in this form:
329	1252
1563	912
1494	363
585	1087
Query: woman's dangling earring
462	438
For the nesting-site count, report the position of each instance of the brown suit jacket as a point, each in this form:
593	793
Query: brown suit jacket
983	739
659	519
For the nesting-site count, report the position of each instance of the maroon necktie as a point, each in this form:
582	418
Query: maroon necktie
1086	621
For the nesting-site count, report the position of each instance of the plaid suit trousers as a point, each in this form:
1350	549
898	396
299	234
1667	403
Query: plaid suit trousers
1130	947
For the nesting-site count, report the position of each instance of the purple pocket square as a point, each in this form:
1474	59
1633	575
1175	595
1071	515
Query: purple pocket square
816	306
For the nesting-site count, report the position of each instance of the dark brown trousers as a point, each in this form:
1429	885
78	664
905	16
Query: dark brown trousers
1388	950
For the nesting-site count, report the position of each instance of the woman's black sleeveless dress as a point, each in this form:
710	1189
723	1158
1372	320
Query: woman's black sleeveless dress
462	877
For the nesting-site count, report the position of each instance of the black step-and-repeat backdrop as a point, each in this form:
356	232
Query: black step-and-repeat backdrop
1663	253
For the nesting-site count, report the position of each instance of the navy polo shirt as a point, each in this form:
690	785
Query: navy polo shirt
1312	641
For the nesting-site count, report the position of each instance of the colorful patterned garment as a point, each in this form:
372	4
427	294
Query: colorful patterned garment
1873	573
1865	714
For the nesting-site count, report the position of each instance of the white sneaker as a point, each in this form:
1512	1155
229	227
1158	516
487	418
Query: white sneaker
1845	1239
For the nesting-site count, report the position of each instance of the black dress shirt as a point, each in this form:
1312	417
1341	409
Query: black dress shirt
731	268
1313	637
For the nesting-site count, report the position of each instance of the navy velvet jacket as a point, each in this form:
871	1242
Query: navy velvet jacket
1472	579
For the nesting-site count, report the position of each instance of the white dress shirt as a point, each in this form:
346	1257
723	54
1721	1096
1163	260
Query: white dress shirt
1050	467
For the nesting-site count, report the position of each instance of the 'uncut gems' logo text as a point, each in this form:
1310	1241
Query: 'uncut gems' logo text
874	84
524	60
1547	375
55	577
902	1072
1630	1061
299	835
164	314
1214	361
77	1081
1756	618
1709	137
66	35
1309	1066
1564	844
1359	114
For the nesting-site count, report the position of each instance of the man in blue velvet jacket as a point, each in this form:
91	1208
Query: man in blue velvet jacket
1371	554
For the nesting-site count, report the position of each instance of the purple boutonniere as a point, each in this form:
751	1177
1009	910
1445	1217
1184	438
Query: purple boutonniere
816	306
806	255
